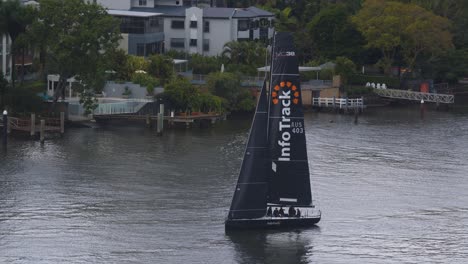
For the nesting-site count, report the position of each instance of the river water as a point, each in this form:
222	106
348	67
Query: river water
393	188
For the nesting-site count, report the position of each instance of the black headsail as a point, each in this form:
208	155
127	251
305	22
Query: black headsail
249	199
289	181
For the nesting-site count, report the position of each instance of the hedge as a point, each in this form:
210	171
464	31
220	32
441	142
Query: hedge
359	79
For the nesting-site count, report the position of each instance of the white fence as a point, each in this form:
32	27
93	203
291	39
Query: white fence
341	103
128	106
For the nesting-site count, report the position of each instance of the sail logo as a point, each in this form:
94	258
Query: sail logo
288	94
286	88
286	54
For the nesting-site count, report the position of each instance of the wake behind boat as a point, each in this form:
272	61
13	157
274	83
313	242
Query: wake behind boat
274	175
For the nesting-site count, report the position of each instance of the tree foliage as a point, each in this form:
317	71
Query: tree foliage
390	26
81	34
161	67
334	35
228	86
14	19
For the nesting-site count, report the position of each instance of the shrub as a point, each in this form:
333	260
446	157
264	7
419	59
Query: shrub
359	79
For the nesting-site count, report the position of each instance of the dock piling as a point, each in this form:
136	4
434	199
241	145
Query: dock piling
33	124
5	127
42	136
62	123
160	120
148	120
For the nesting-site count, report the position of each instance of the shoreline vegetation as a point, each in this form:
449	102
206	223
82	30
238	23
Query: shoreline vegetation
430	46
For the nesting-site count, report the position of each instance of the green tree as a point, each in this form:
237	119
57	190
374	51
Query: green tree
136	63
390	26
118	66
181	94
82	34
145	80
227	86
334	34
204	65
14	18
161	67
345	68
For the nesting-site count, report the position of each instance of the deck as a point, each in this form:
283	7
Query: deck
213	117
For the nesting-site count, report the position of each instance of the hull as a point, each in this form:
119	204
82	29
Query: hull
271	223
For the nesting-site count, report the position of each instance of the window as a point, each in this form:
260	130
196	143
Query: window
206	26
140	49
193	24
177	43
142	2
193	42
206	45
242	25
177	24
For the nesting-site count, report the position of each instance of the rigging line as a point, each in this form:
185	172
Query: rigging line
271	80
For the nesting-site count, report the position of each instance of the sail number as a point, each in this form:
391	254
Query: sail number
297	127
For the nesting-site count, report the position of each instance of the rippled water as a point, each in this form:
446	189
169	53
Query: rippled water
392	189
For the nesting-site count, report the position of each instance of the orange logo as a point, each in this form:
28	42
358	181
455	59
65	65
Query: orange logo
284	85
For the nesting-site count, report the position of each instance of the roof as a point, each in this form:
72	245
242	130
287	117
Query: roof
220	12
131	13
172	11
301	69
208	12
251	12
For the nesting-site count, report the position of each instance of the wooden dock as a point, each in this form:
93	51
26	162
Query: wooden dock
51	125
185	119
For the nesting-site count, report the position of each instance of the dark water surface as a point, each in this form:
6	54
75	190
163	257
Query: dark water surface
392	189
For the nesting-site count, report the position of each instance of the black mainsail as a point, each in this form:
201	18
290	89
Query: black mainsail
249	199
289	182
275	169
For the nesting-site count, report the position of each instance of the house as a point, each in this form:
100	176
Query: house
156	26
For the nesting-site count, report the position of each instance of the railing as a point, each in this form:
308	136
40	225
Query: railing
17	122
416	96
340	103
316	84
258	81
128	106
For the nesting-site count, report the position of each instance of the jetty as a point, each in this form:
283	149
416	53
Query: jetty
415	96
35	126
186	119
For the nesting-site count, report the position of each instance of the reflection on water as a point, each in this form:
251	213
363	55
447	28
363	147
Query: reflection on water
392	189
272	246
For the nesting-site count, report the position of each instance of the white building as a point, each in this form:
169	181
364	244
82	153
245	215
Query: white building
154	26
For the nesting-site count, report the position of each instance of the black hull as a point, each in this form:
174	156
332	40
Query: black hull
271	223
